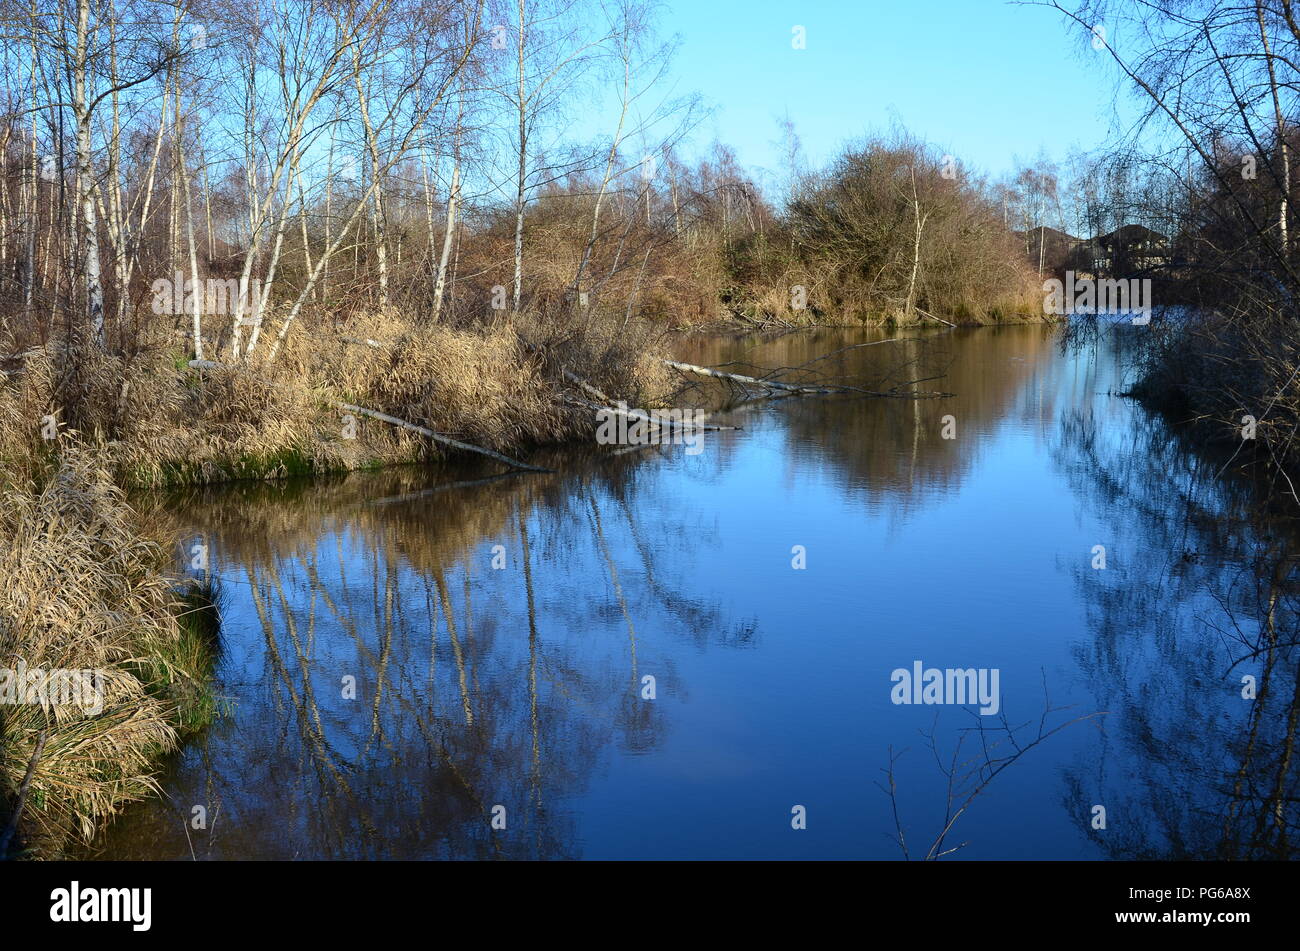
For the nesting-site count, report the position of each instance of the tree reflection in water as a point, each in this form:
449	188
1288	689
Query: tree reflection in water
1191	769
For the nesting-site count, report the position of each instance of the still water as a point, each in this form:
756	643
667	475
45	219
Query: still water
409	655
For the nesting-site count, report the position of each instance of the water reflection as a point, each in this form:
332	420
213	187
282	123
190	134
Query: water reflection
1208	597
413	654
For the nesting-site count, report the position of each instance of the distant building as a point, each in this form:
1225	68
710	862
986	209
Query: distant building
1048	250
1127	250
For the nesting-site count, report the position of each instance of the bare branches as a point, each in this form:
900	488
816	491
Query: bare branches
969	775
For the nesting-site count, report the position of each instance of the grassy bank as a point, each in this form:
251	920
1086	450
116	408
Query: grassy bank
151	420
82	589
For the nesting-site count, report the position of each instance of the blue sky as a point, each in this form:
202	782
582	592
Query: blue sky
983	79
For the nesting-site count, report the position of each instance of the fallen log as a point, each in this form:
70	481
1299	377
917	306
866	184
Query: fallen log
754	381
940	319
649	419
413	427
792	388
584	385
438	437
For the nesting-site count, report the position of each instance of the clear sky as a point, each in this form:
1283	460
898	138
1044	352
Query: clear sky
983	79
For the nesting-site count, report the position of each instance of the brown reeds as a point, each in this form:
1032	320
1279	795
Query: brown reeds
151	420
82	590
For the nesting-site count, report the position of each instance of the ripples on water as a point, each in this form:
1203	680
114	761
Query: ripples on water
521	687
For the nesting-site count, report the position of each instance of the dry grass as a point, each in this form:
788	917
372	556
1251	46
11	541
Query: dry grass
153	421
81	589
481	387
619	357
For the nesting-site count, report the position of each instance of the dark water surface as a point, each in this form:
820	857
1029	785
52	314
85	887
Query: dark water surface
522	686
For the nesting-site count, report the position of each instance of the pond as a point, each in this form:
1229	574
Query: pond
662	653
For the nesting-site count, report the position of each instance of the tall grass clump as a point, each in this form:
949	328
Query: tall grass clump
82	589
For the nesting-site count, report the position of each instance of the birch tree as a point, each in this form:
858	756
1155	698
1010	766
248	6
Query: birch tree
552	47
433	72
